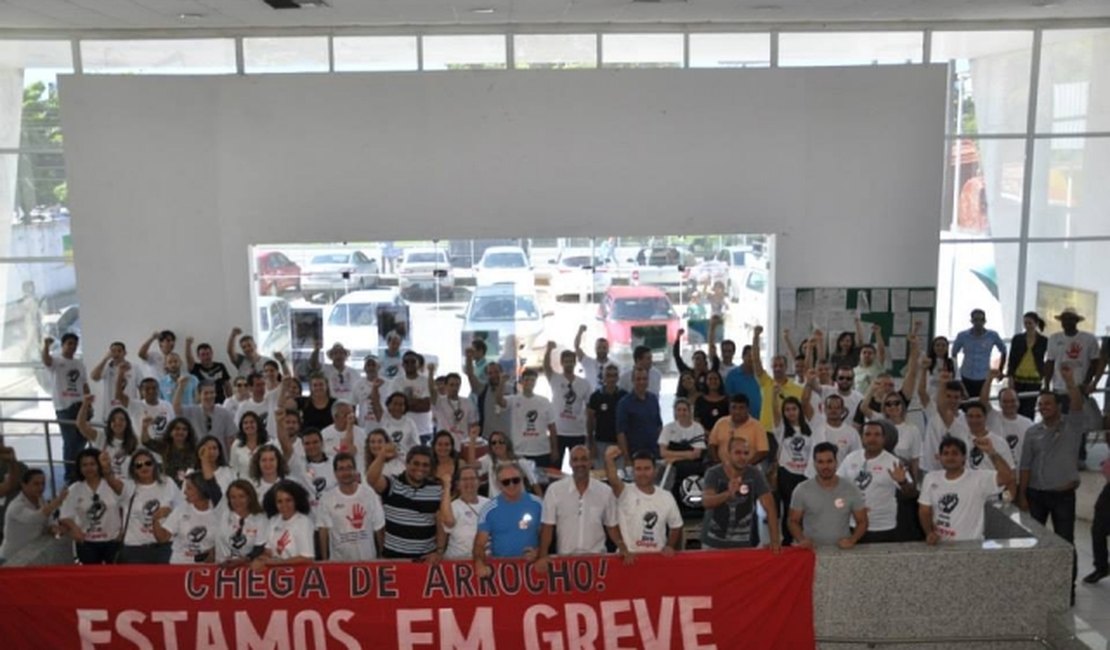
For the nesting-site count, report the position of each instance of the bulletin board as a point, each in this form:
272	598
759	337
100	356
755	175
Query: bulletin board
834	310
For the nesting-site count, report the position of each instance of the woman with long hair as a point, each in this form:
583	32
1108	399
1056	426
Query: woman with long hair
795	461
117	437
90	513
290	537
178	448
687	386
27	516
243	526
500	451
846	351
445	460
1025	363
191	527
376	441
212	466
268	468
459	517
316	408
252	435
937	360
711	405
146	495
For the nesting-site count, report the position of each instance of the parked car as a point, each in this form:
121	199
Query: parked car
423	269
273	330
361	320
733	264
306	326
504	264
635	316
277	274
751	298
666	267
339	272
509	310
578	273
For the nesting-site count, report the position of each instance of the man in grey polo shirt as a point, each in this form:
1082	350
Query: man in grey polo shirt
1049	476
821	508
582	510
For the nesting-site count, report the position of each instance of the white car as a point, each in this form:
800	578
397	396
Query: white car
361	320
751	298
423	269
509	310
338	272
504	265
571	277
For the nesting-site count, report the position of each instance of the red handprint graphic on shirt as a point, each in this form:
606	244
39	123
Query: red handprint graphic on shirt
283	543
357	517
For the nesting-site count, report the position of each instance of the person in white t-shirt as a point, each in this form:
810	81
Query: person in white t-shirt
500	452
342	378
70	386
1005	421
533	423
343	434
837	430
243	526
146	495
976	418
376	442
90	513
107	372
569	394
593	367
250	361
459	517
367	393
309	461
453	414
414	386
290	536
117	438
155	359
398	424
796	438
260	402
1073	348
943	418
191	528
686	434
880	475
950	507
350	520
649	518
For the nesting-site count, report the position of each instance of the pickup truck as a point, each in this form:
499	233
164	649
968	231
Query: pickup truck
666	267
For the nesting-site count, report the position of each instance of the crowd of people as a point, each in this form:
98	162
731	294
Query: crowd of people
187	460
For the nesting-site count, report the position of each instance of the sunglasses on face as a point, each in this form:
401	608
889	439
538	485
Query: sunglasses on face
142	464
892	403
516	480
496	442
844	378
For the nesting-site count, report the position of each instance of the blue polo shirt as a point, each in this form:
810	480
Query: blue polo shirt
512	526
740	381
977	349
639	419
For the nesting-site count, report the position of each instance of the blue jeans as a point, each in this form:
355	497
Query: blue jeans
72	440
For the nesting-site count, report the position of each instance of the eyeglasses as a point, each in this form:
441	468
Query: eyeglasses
844	378
516	480
145	463
892	403
496	442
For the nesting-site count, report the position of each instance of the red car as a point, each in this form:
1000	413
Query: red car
635	316
277	274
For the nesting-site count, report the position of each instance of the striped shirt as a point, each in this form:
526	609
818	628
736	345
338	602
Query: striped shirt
410	516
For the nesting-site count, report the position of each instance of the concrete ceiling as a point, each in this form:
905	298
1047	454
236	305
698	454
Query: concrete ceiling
246	14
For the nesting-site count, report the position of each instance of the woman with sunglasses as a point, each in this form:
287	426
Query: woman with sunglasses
459	517
212	466
191	528
252	435
500	451
90	514
376	442
178	448
289	539
27	516
241	393
242	528
146	494
445	460
117	437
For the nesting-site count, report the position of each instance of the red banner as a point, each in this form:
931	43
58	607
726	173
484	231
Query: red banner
701	600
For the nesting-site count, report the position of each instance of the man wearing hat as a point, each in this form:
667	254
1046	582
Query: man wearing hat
341	377
1076	349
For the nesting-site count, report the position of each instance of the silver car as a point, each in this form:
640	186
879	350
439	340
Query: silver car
508	309
339	272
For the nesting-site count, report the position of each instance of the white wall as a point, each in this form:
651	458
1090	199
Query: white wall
172	178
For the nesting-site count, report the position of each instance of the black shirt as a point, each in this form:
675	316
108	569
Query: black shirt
312	417
707	413
604	406
216	373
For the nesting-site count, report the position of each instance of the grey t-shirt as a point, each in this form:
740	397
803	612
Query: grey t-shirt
734	524
826	513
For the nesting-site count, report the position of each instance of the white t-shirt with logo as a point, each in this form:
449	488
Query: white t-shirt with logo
531	417
364	405
958	504
264	410
320	477
148	499
416	388
121	460
460	540
1013	431
161	414
880	491
569	400
341	383
194	532
290	538
1078	352
845	437
675	432
935	431
351	520
401	432
646	518
70	380
796	452
909	442
95	513
455	415
976	459
236	539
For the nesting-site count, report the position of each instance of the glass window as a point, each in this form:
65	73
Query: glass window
1070	193
1074	89
990	79
193	56
42	302
849	48
730	50
555	51
39	63
976	275
983	182
374	53
1069	274
276	55
477	52
642	50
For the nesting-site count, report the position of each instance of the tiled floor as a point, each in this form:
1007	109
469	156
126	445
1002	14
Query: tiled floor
1092	602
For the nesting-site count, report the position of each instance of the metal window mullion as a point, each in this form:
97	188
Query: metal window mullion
686	50
774	48
420	52
1027	181
510	52
331	53
75	53
599	45
926	46
240	62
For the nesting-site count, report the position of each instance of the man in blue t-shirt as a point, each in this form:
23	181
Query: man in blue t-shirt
742	379
510	523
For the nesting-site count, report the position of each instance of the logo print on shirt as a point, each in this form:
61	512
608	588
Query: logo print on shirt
283	542
357	517
863	479
397	435
197	534
976	457
650	519
96	513
391	372
569	397
151	507
318	484
1012	440
949	502
797	443
73	375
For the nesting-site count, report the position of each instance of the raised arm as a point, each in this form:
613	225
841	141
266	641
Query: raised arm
547	369
190	360
47	360
1075	392
144	349
83	425
179	392
471	377
231	340
1000	345
757	354
985	392
98	370
676	352
374	473
789	343
446	514
472	443
923	387
880	343
433	393
811	387
376	398
121	385
714	323
314	359
859	333
820	349
615	482
579	353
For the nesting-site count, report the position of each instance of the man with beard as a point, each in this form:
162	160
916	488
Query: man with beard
952	498
880	476
350	521
532	428
730	494
822	508
644	510
569	394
